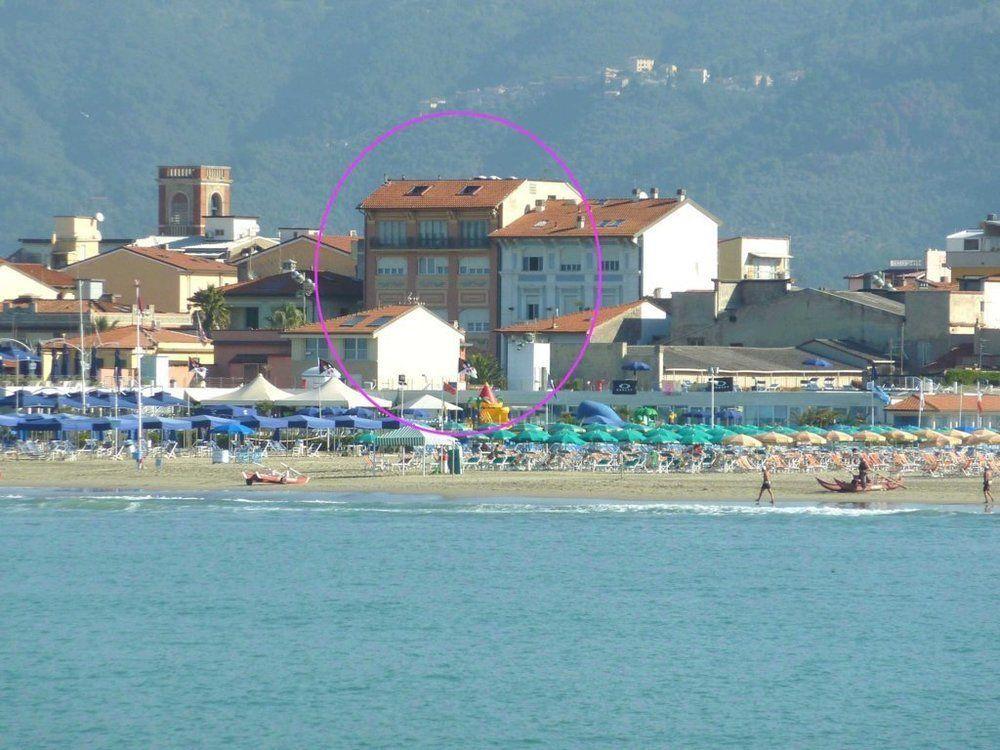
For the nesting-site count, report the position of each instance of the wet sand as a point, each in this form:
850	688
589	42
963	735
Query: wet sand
339	474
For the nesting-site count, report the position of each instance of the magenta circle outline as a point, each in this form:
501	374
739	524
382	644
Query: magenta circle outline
552	154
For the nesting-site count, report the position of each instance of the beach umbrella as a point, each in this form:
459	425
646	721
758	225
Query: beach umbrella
366	438
742	441
501	435
264	423
566	427
233	428
956	433
901	436
837	436
868	436
598	436
530	436
660	438
809	438
943	441
308	422
629	436
694	438
775	438
565	438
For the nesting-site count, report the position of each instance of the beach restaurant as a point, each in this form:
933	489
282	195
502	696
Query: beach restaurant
942	410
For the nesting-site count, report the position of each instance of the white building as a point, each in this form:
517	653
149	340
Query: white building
384	347
984	239
754	258
651	247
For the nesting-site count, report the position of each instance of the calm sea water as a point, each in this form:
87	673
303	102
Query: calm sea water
365	621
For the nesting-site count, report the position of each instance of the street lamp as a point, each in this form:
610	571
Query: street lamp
712	372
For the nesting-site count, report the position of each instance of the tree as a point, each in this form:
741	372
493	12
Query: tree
289	315
488	370
819	416
102	324
210	302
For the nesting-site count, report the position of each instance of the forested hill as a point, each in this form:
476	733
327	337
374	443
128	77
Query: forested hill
869	132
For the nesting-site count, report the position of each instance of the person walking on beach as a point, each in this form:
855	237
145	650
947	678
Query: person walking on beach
863	471
988	489
765	485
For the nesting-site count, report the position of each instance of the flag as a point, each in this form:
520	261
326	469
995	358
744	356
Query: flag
193	362
326	366
979	402
464	368
879	392
201	331
451	387
921	394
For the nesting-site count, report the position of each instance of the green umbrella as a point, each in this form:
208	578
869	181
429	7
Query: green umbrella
366	438
501	435
530	436
598	436
663	434
629	436
695	438
566	427
454	426
565	438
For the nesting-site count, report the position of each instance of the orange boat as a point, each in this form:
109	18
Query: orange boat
270	476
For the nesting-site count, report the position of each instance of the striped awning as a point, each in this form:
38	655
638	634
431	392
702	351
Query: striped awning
410	437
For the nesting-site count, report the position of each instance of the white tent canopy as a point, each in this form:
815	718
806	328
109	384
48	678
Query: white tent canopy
257	390
428	402
333	392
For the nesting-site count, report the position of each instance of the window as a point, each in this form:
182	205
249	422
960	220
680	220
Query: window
252	317
610	222
355	349
532	310
612	264
432	265
315	348
470	190
391	267
474	232
531	263
179	213
417	190
474	266
570	261
971	244
216	209
433	233
392	233
475	320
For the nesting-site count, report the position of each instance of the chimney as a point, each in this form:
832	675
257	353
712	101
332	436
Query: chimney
654	192
635	194
579	221
288	265
353	233
681	194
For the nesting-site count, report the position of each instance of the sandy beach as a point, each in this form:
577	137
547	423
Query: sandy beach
340	474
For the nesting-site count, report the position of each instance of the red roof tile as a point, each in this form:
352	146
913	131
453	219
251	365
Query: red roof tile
441	194
578	322
174	258
49	276
947	402
123	337
614	217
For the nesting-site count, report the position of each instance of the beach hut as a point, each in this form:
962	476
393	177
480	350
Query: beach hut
256	391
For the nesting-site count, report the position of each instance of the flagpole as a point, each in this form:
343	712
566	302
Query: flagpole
138	372
961	398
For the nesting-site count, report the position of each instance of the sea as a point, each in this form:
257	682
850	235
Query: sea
256	620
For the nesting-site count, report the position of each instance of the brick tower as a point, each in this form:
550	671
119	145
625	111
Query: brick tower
189	194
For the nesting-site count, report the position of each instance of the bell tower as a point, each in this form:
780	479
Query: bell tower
189	194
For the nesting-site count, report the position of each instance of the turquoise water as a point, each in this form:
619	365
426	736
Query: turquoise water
366	621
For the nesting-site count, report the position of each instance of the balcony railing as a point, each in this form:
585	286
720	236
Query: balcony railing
443	244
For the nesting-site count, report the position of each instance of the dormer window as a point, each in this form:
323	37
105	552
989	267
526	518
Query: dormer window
417	190
470	190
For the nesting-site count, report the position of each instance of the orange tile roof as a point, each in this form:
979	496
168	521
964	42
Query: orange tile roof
364	321
123	337
49	276
621	216
53	306
440	194
578	322
947	402
174	258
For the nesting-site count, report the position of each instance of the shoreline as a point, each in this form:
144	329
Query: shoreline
346	475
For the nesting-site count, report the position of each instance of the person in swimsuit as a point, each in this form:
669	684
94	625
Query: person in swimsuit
765	485
863	471
988	489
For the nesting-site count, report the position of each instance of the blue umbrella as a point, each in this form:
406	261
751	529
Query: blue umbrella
301	421
636	366
207	420
358	423
82	424
265	423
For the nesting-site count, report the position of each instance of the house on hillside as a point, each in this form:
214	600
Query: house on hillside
651	247
385	347
168	278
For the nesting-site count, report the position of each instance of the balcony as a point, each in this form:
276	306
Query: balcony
445	244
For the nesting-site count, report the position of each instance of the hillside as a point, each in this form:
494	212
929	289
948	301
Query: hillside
871	142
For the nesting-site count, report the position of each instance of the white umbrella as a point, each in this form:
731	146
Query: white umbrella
427	402
334	392
256	391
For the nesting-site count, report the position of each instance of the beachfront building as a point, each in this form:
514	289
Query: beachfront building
253	303
946	410
534	351
973	252
385	347
111	358
35	281
754	258
429	241
338	254
168	277
651	246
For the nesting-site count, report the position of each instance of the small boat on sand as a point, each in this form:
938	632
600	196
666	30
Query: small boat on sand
273	476
878	484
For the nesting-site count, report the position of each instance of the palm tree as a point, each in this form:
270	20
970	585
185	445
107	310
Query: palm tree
102	324
210	302
289	315
488	370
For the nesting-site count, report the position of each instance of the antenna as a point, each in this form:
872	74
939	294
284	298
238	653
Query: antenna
99	216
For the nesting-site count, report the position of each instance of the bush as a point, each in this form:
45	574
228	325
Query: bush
971	377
